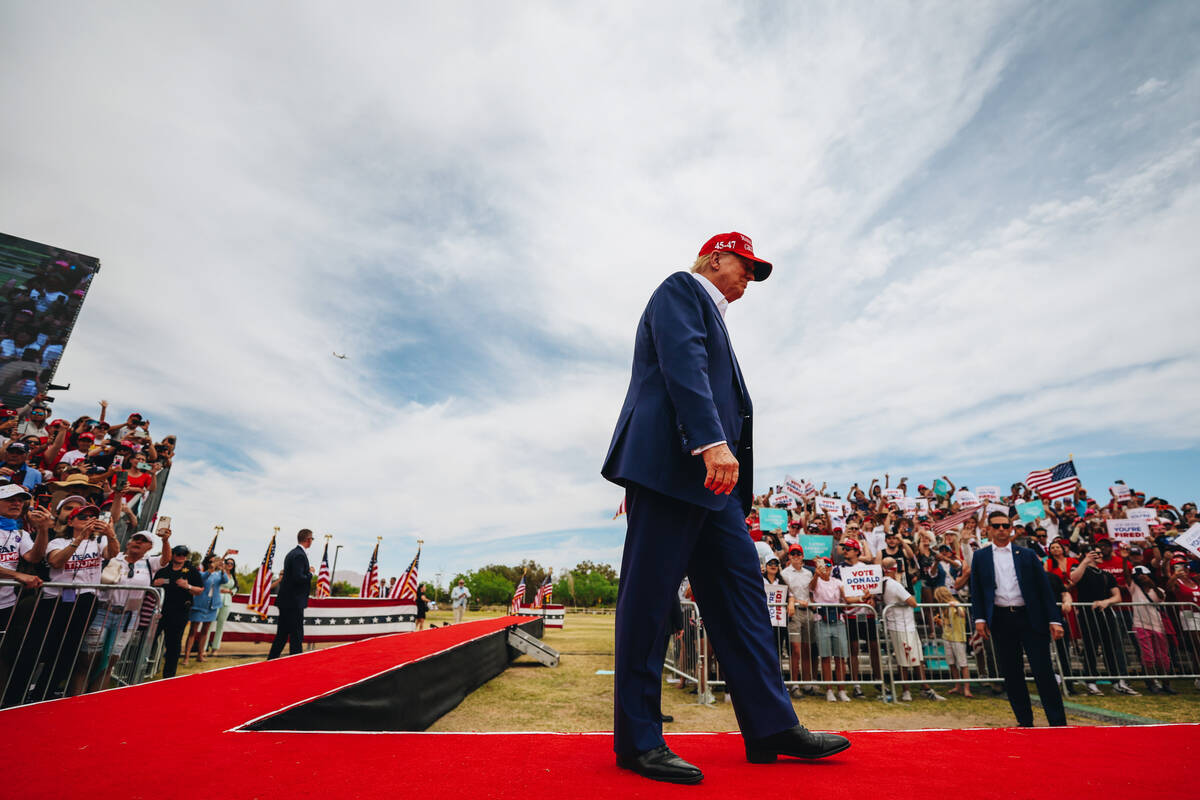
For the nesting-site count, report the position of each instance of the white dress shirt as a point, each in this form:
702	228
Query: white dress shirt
722	304
1008	591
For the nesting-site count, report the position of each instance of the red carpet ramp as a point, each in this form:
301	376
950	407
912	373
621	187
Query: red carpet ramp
102	745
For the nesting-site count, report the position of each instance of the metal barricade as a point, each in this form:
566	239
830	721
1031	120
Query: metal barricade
1153	642
75	638
934	645
848	632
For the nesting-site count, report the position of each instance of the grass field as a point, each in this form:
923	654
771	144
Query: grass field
573	697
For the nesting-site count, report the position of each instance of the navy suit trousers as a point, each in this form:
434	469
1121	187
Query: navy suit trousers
666	539
1013	634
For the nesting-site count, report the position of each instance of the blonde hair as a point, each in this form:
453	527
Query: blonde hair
702	262
942	595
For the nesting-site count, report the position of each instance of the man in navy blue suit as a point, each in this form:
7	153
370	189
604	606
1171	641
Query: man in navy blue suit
1012	602
682	451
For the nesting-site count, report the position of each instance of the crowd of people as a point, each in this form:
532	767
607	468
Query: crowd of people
66	489
1122	600
41	298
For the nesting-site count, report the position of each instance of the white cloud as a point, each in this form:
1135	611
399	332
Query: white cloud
1151	86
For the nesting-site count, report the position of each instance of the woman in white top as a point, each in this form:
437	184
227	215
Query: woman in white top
77	560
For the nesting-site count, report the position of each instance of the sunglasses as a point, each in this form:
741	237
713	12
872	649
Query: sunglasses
1002	526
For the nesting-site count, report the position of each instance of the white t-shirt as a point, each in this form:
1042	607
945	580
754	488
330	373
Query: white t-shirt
73	457
897	619
83	566
143	574
13	545
797	581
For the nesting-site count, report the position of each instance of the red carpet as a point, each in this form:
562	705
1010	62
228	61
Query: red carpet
100	746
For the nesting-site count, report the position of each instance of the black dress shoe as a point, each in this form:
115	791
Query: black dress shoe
660	764
797	742
666	717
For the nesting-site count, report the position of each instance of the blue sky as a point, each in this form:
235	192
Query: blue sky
982	218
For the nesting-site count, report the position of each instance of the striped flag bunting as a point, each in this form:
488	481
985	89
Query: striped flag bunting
370	582
543	593
518	595
957	518
260	593
620	509
406	587
324	585
1054	483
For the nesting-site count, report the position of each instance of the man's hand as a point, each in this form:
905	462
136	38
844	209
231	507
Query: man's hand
40	519
182	583
1056	631
722	469
981	628
30	581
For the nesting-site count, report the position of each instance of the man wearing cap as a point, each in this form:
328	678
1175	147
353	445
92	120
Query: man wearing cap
802	628
16	613
682	451
180	582
14	468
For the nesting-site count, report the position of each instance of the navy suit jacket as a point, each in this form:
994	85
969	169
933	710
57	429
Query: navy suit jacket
294	581
686	391
1041	606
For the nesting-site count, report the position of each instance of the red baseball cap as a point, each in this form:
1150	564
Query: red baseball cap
740	244
852	544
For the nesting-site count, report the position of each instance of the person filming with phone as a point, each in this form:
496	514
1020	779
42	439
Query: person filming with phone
181	582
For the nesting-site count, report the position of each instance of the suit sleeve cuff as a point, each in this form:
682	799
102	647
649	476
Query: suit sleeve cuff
700	450
1059	624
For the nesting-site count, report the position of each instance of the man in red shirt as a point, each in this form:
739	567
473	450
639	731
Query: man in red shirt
1116	565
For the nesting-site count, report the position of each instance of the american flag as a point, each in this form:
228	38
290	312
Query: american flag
518	595
212	549
1051	484
324	586
406	587
957	518
620	509
370	582
543	593
260	593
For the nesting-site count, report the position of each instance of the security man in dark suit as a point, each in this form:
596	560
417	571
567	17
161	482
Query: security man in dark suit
292	597
1011	601
686	414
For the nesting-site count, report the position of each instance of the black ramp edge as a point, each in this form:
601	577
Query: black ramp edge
409	698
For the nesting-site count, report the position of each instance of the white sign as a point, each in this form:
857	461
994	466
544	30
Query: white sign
837	522
777	605
1190	539
830	505
1120	491
991	493
1128	530
965	498
922	504
893	494
862	578
783	500
793	487
1147	514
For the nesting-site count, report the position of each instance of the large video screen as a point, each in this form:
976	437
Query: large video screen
42	289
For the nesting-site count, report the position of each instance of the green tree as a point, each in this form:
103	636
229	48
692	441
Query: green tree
344	589
488	586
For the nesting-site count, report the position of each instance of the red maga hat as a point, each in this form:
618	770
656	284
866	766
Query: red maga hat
740	244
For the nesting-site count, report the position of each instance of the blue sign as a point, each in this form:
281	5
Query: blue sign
816	546
1030	511
772	519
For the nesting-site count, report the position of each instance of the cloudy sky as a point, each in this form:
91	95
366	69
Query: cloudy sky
983	220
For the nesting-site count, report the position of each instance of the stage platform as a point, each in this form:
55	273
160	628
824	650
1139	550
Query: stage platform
198	727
